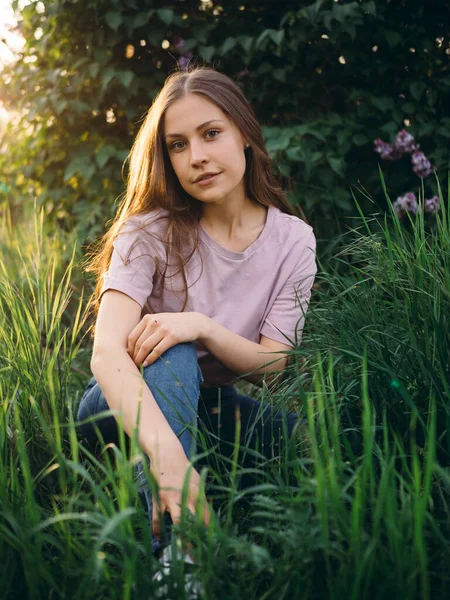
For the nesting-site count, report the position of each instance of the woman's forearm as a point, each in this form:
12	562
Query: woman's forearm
125	390
239	354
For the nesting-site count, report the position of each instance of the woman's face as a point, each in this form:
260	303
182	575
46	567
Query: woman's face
200	138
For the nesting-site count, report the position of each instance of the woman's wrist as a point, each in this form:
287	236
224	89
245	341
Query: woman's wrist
158	447
204	327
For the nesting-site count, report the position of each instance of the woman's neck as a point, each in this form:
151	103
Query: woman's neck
227	220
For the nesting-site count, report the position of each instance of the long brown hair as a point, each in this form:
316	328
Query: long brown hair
152	183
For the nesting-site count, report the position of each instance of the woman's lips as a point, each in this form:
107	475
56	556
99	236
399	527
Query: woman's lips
208	180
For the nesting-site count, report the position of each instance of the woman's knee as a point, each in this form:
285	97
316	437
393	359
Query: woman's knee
177	366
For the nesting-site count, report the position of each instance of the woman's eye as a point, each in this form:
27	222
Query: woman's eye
175	146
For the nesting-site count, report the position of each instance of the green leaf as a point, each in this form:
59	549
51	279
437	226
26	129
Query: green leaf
94	69
206	52
79	106
370	7
390	128
107	76
264	67
417	88
122	155
261	39
296	154
104	154
285	168
350	28
284	139
189	44
360	139
409	107
245	42
166	15
125	77
337	165
276	35
342	199
431	97
142	18
316	134
114	19
383	103
279	74
228	45
80	165
60	105
393	38
200	33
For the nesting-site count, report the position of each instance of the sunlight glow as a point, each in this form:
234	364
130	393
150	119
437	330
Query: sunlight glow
10	43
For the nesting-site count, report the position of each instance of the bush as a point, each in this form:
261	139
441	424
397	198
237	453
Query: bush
326	80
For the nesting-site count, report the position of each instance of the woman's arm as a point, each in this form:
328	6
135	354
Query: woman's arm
241	355
125	389
158	332
120	380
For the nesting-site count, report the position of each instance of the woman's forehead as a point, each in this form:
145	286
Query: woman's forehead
189	113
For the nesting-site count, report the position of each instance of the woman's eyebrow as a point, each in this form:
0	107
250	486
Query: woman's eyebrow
197	128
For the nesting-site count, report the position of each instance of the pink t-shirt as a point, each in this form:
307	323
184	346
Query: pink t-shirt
264	290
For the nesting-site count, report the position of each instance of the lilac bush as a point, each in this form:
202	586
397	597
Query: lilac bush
421	165
405	144
386	151
432	205
406	203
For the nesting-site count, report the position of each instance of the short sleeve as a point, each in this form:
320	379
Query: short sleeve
132	267
286	318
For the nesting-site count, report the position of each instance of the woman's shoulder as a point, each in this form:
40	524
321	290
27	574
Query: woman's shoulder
149	219
291	226
143	232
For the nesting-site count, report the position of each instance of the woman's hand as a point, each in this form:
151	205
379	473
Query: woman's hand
170	470
158	332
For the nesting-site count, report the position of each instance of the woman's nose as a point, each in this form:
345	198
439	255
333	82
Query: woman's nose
198	153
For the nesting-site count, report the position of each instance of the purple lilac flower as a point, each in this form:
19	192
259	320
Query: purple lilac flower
406	203
385	150
404	143
243	73
421	165
179	43
184	60
432	205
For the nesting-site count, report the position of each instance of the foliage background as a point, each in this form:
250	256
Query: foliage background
373	375
326	78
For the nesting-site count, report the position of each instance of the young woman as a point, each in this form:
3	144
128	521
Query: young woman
204	276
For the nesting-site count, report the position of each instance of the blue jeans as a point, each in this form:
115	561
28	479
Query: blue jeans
174	380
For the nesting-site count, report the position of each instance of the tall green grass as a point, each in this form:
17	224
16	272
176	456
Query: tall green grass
357	509
392	302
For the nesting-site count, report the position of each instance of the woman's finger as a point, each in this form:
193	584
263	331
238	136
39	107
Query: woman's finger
146	345
134	336
175	513
159	349
147	327
156	521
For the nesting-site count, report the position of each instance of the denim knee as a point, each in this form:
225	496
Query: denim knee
178	365
174	380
